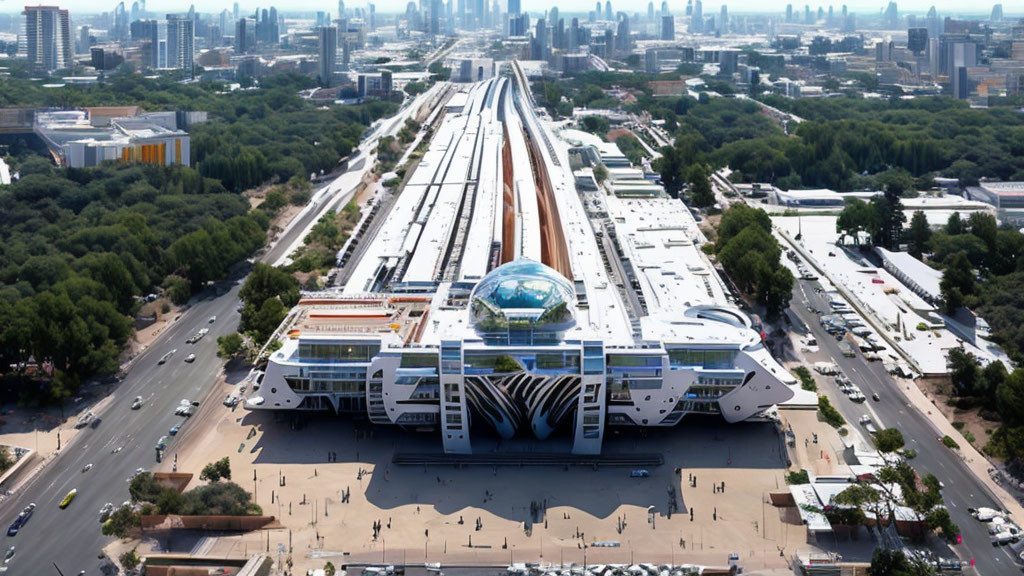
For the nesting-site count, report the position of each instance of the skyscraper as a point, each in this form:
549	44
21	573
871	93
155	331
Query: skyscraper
328	37
892	15
48	38
180	42
789	13
245	35
723	20
917	40
650	11
997	13
697	20
668	27
341	8
608	10
539	49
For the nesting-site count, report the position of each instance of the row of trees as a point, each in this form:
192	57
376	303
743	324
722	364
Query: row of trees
266	296
751	256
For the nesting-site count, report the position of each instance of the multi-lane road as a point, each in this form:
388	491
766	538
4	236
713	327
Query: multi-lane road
71	538
962	489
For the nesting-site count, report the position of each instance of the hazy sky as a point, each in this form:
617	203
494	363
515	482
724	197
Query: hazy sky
710	6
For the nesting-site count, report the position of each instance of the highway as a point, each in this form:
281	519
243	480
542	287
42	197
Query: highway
962	489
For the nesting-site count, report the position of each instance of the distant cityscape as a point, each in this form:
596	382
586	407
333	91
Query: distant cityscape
796	53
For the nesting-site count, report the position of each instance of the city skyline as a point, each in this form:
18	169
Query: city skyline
948	7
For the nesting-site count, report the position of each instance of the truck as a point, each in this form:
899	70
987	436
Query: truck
826	368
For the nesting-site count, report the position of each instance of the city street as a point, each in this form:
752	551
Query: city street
962	489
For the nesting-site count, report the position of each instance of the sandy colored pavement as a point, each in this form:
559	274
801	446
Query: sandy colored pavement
431	513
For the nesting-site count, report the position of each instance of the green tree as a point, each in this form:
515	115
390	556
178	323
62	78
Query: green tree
122	522
885	562
670	166
857	216
600	173
229	345
177	289
129	560
890	217
954	225
889	440
957	283
329	569
963	371
1010	400
701	194
920	234
215	471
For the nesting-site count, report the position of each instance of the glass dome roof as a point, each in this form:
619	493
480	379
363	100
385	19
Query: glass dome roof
523	295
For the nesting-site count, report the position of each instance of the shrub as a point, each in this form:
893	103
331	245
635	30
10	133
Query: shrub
806	379
968	436
215	471
829	414
950	443
129	560
922	326
798	477
910	453
959	425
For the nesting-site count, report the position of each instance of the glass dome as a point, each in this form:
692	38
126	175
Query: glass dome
522	301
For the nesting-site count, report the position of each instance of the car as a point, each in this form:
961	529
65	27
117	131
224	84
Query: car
9	555
84	420
106	511
185	411
137	403
212	319
162	442
21	520
174	430
67	499
166	357
639	474
136	473
86	468
230	401
876	398
190	358
95	423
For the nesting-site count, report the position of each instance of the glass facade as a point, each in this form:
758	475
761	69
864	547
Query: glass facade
337	352
707	359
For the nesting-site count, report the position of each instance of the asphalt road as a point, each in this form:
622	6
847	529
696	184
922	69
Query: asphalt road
71	538
962	490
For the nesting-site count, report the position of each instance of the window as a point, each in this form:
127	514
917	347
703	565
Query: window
419	361
338	352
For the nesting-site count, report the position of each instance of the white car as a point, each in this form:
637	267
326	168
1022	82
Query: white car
166	357
190	358
137	403
983	514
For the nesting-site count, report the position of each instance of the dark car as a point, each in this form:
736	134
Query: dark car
95	423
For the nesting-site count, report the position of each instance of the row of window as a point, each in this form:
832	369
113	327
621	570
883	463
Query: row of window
310	351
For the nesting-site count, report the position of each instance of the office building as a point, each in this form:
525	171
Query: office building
668	27
245	35
377	85
48	43
328	50
77	142
180	42
917	40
